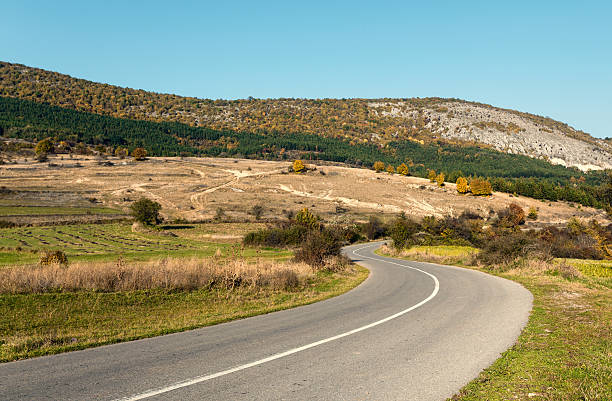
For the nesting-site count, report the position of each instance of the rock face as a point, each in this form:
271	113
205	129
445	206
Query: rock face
507	131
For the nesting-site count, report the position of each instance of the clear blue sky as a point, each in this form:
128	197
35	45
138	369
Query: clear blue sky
552	58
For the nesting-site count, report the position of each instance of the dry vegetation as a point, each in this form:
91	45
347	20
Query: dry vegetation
165	274
199	188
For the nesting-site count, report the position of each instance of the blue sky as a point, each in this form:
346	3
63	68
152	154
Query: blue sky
552	58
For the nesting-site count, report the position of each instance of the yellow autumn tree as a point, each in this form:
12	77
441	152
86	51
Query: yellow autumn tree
432	175
462	185
480	186
390	169
378	166
440	179
403	169
298	166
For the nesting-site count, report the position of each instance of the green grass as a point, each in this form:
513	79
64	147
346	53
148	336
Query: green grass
51	210
593	268
104	242
41	324
565	351
454	251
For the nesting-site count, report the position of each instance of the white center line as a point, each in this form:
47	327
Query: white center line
292	351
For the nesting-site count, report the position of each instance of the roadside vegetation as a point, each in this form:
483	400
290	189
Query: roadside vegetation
76	286
564	353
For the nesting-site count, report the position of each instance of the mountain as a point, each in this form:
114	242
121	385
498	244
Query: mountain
358	121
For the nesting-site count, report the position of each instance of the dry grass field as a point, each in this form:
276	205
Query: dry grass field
197	188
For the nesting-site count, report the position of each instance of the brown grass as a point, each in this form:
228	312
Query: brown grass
168	274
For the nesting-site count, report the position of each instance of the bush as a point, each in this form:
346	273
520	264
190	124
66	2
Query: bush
390	169
503	249
139	154
43	147
480	186
533	213
298	166
308	219
146	211
277	237
432	175
462	185
378	166
317	247
403	169
53	258
401	232
374	228
512	216
257	211
440	179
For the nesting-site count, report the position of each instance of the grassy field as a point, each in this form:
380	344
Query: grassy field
54	210
41	324
103	242
565	351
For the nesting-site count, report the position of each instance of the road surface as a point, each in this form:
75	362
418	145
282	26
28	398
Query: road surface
411	331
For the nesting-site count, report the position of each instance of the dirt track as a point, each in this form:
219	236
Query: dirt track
194	188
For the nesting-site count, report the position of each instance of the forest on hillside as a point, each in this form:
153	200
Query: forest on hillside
509	173
352	120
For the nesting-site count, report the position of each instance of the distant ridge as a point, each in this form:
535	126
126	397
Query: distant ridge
358	121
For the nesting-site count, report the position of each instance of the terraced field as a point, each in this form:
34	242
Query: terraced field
111	241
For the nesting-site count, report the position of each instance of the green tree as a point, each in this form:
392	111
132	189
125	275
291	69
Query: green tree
43	147
146	211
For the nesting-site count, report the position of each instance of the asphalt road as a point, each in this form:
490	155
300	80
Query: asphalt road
411	331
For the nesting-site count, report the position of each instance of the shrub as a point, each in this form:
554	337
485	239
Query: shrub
146	211
53	258
317	247
298	166
121	152
257	211
503	249
533	213
390	169
462	185
480	186
514	215
308	219
277	237
403	169
440	179
139	154
401	232
374	228
432	175
378	166
43	147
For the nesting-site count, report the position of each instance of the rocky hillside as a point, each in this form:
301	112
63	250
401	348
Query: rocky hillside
379	121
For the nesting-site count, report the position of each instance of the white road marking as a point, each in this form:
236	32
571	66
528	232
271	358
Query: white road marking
201	379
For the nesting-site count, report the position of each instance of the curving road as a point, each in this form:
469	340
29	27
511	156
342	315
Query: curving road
411	331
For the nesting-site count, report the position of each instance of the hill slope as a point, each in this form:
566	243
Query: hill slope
359	121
